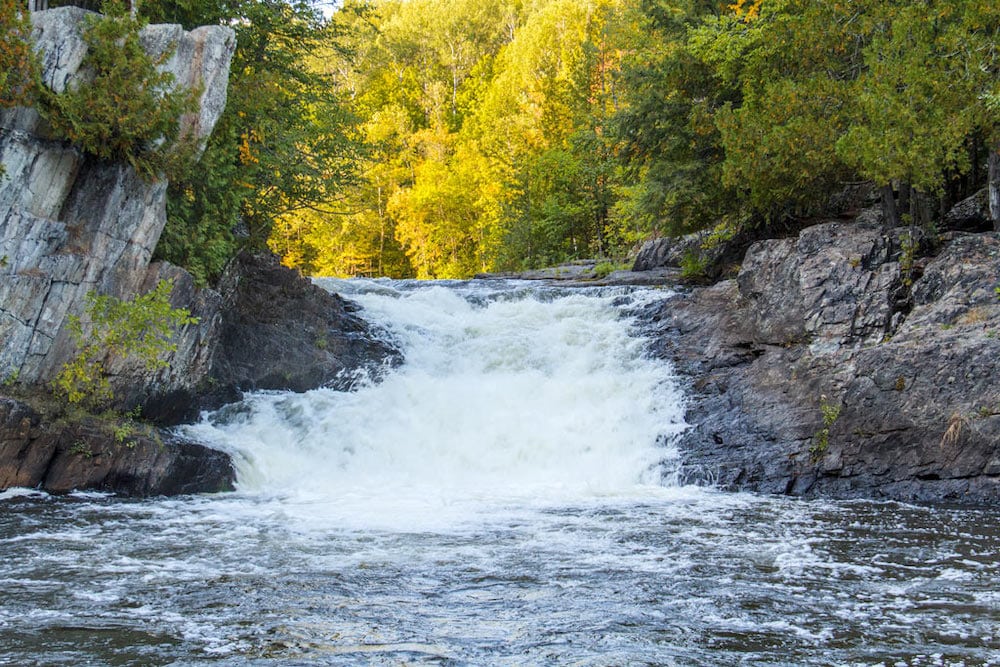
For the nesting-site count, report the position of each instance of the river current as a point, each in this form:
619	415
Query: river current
508	496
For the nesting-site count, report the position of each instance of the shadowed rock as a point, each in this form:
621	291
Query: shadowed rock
59	457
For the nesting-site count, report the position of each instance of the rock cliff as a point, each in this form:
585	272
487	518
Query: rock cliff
70	223
842	363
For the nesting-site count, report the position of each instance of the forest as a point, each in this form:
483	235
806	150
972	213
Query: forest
444	138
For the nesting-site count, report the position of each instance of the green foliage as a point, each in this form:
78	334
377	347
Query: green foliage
821	441
441	138
604	269
18	69
81	448
124	427
694	265
914	104
667	138
285	145
127	110
140	329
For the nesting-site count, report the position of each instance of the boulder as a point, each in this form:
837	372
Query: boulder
972	214
267	327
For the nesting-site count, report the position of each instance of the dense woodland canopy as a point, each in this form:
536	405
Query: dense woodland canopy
441	138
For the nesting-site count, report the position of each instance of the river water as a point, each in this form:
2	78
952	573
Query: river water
506	497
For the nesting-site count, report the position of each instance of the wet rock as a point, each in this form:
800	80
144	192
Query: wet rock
80	454
811	375
281	331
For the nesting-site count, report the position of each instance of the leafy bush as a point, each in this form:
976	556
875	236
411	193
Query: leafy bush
140	329
604	269
129	110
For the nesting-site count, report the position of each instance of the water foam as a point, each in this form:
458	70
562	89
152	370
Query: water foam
507	396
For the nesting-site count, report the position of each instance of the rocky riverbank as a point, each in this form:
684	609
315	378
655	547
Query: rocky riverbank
848	361
254	344
71	224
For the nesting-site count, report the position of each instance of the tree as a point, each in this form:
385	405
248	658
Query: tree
284	143
17	65
914	108
667	138
127	110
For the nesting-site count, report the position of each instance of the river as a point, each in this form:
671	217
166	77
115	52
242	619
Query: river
508	496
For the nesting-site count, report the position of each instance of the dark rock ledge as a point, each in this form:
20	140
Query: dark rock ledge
64	455
837	364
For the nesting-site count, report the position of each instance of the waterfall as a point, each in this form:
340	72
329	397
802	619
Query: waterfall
509	394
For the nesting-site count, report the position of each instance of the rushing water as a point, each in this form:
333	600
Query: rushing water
506	497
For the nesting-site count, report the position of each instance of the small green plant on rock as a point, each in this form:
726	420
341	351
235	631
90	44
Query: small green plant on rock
694	265
12	379
124	427
81	448
821	441
603	270
140	329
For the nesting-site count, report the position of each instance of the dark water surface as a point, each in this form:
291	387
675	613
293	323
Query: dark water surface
688	578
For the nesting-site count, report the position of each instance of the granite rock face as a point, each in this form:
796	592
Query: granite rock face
834	365
70	224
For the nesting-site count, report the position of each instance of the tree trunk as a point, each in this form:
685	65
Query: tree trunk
920	209
889	210
905	192
994	186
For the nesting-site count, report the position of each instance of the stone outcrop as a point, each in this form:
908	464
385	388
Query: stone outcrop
703	256
61	456
70	224
838	364
267	328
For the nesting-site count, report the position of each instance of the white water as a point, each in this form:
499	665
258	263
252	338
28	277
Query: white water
506	399
504	498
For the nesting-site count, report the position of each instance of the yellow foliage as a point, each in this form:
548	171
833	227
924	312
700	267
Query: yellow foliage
747	9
